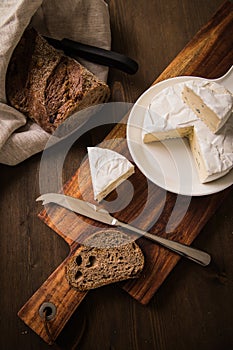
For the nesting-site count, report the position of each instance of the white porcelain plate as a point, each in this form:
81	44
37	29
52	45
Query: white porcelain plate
170	164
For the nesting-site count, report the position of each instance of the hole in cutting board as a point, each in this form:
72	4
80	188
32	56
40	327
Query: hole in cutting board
48	311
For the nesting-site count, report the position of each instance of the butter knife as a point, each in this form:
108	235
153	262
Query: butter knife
99	214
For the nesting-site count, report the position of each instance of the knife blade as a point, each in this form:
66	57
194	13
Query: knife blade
99	214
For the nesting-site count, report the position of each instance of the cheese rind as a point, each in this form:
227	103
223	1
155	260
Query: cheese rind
108	170
211	102
168	114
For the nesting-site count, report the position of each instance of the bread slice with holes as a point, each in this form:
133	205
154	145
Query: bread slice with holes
106	257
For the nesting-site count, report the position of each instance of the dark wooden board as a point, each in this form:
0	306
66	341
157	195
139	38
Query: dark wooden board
209	55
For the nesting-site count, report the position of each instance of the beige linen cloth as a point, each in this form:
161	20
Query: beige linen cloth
86	21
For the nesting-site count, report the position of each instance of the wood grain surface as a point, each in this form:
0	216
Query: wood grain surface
166	214
193	307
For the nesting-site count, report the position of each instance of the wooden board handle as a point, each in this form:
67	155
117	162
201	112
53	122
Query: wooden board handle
55	290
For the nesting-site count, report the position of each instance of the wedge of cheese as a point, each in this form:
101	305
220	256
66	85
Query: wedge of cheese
168	116
108	170
209	101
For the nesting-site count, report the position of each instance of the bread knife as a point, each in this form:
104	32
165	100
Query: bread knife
95	54
99	214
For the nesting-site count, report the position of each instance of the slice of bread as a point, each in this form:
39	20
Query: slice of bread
107	256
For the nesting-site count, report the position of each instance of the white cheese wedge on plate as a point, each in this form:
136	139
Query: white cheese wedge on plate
108	170
168	116
209	101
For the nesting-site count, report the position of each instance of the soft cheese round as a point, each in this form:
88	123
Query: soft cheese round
167	111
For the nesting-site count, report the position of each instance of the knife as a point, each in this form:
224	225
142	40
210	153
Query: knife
99	214
95	54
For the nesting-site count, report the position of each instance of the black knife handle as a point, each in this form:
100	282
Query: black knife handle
96	54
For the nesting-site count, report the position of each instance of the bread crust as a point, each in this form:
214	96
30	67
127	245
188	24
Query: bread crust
48	86
106	257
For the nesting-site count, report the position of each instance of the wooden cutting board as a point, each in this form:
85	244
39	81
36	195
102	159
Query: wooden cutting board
209	54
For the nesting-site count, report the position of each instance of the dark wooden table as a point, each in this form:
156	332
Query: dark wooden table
193	308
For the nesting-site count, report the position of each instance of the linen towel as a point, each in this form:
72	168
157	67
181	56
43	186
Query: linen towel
86	21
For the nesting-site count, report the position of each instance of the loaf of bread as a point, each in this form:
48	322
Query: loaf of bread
107	256
48	86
